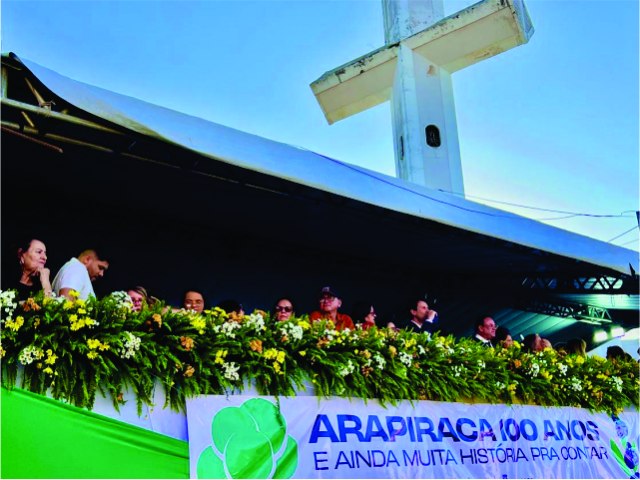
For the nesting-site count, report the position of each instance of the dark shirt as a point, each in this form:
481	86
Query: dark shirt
429	327
25	291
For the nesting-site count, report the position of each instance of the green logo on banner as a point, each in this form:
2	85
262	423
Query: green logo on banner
249	441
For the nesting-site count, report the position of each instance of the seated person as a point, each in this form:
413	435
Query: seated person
232	307
503	337
485	331
330	302
139	298
577	346
532	343
364	315
193	300
283	310
423	319
34	276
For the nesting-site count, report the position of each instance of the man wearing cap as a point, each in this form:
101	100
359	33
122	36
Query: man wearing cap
330	302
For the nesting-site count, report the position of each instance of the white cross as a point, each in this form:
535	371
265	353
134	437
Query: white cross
413	70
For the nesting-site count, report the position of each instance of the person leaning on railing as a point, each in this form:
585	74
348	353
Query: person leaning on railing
34	275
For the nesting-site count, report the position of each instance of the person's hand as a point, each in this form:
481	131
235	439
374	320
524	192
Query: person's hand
44	273
431	315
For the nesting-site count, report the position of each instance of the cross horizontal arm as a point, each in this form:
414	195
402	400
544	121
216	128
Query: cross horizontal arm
480	31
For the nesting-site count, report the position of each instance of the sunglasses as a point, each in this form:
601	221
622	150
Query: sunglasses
284	309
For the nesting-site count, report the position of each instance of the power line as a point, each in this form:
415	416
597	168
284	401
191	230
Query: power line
623	233
530	207
630	241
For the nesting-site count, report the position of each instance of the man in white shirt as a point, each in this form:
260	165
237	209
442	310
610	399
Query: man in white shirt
78	273
485	331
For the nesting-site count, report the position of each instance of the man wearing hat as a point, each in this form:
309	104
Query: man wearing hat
330	302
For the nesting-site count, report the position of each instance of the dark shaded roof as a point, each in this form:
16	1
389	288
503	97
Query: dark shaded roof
341	221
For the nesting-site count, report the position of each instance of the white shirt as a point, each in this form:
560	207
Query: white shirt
484	340
74	275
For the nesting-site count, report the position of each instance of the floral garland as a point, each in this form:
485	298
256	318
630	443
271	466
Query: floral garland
75	349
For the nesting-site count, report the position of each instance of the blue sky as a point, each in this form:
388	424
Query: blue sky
552	124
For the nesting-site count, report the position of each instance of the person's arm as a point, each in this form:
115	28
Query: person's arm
45	275
66	292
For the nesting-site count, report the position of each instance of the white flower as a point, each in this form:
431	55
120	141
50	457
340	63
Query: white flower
500	385
8	303
421	350
29	354
231	371
575	384
123	299
379	360
563	368
534	370
617	383
227	328
481	364
347	369
457	370
405	358
291	330
255	321
131	345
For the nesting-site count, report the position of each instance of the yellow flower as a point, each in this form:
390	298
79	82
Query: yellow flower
393	350
281	356
220	354
270	353
93	343
304	324
48	370
302	353
75	295
82	311
277	369
579	360
158	319
51	357
68	304
3	352
15	324
92	355
199	323
189	371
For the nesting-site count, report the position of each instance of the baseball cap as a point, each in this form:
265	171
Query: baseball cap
328	291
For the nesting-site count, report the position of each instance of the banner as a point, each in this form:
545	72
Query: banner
308	437
44	438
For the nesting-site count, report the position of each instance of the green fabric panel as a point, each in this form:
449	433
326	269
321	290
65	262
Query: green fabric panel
44	438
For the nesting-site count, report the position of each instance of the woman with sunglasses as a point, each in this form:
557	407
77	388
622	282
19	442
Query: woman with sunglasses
283	309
